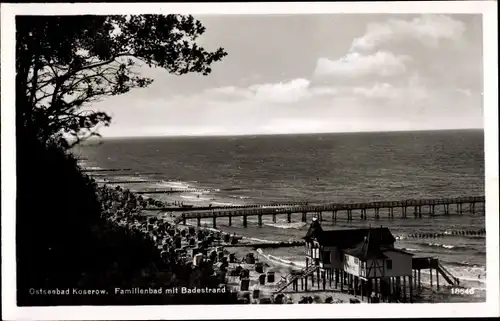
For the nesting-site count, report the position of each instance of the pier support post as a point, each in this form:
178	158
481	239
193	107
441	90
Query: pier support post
320	216
391	212
404	211
419	283
446	209
433	207
274	218
377	213
349	215
289	217
472	207
307	266
398	287
420	211
411	290
260	220
304	217
230	220
183	219
437	279
334	215
245	223
460	209
341	280
363	213
198	221
404	288
215	222
318	276
430	275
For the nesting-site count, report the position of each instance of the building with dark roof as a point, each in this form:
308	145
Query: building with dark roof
363	259
327	248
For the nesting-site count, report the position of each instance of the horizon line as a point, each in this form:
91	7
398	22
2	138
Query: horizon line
283	134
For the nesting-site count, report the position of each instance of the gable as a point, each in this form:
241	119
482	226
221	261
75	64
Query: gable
348	238
398	251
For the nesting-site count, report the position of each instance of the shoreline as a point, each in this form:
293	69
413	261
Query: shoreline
255	291
248	245
420	296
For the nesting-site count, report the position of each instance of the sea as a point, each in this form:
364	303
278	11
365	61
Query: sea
321	168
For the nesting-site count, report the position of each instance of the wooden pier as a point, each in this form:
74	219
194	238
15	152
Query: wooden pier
117	173
266	245
87	170
180	190
129	182
346	210
233	207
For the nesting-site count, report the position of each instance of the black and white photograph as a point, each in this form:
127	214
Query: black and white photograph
164	156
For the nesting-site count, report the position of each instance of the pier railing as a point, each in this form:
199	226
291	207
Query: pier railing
335	208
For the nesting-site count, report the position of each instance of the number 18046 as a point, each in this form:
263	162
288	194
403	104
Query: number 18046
462	291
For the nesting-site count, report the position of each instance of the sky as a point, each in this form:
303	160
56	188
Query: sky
316	74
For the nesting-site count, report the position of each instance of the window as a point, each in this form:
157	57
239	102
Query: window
388	263
356	260
326	257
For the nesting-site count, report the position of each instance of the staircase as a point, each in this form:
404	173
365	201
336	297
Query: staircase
447	275
289	278
178	219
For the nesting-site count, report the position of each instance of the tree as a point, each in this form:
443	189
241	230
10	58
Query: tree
64	63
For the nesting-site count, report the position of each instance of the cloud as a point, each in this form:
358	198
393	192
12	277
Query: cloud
284	92
427	29
300	90
413	90
381	63
389	92
384	90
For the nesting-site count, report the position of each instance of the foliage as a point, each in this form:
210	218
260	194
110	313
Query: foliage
64	63
62	241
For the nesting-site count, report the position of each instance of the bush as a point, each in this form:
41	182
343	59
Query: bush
63	242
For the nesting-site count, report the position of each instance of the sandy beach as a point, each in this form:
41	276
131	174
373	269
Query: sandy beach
258	293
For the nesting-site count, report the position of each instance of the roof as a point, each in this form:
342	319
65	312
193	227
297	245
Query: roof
369	248
397	250
347	238
314	230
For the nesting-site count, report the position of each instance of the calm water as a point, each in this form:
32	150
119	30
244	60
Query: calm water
322	168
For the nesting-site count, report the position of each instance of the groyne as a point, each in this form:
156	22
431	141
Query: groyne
477	232
265	245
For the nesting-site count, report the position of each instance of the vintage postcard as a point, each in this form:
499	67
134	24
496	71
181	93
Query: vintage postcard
160	156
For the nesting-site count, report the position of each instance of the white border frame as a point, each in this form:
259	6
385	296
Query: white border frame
490	57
